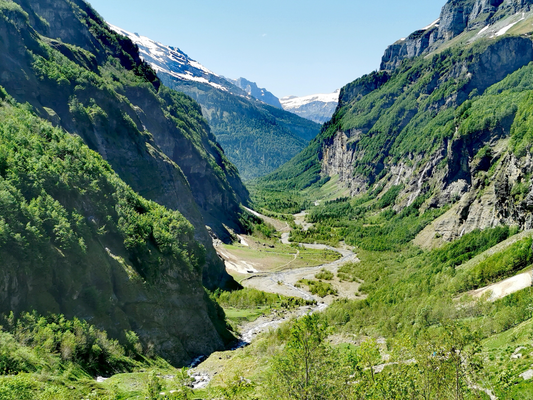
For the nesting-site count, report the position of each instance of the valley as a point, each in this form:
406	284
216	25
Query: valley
169	233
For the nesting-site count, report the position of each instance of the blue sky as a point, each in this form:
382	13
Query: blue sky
290	47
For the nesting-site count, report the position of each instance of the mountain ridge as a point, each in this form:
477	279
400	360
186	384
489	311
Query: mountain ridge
255	136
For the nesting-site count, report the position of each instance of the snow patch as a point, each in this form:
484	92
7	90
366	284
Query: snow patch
483	30
292	102
170	60
434	23
504	30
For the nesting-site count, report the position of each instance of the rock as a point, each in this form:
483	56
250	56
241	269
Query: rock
457	16
527	375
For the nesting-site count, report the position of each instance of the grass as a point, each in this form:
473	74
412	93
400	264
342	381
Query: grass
246	315
280	256
324	275
502	370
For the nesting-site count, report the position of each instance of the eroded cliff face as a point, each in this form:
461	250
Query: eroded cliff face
155	139
456	18
475	174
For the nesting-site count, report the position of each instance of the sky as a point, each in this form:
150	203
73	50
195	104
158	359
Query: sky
289	47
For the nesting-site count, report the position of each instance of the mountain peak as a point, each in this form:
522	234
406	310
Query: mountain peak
256	92
172	60
316	107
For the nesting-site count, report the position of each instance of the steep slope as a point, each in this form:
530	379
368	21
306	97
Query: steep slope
449	129
76	240
82	76
462	22
317	107
256	92
256	137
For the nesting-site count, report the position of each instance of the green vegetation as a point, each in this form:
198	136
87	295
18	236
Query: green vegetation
54	358
359	223
250	298
256	137
248	304
46	176
321	289
441	363
497	267
325	275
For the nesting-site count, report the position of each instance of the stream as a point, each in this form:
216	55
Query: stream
282	282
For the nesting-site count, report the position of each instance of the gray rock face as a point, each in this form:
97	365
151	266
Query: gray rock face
256	92
457	16
413	46
455	174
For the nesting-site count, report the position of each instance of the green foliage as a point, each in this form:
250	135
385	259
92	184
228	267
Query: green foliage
321	289
256	137
55	192
390	196
470	245
284	202
252	298
33	343
413	290
325	275
497	266
441	364
358	226
153	386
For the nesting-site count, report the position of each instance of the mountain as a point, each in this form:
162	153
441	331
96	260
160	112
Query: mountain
92	82
255	136
443	125
253	90
317	107
75	239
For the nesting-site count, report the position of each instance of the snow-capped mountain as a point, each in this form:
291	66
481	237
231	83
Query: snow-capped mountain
176	63
316	107
256	137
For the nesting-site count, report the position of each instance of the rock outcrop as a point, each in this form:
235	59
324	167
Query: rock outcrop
457	17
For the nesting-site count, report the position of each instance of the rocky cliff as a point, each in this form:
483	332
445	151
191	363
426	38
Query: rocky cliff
256	92
446	131
468	20
82	76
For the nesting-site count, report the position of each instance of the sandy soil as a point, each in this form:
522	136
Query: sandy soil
505	288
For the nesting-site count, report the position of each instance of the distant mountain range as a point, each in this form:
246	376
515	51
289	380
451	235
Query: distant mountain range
256	137
315	107
256	92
